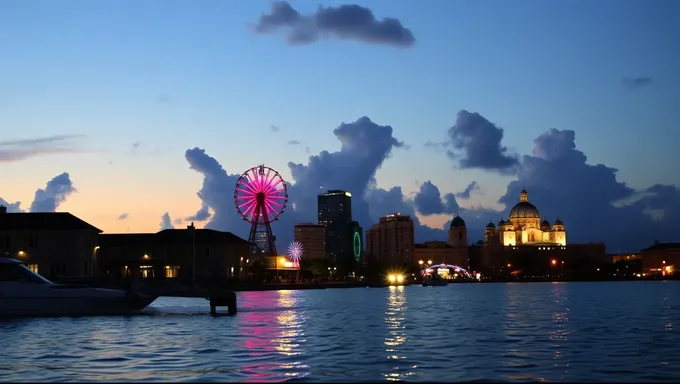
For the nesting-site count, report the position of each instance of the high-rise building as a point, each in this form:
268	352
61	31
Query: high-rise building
334	206
313	240
335	214
391	240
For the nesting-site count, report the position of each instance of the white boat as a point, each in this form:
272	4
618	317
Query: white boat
434	281
26	293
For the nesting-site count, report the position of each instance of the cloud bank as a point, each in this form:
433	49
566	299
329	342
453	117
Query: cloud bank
586	197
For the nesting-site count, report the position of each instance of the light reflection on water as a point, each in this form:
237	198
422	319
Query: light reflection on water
516	332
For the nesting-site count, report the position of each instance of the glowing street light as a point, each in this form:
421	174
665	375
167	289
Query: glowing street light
553	262
420	262
22	253
429	262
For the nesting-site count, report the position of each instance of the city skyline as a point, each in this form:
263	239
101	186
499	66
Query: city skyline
119	114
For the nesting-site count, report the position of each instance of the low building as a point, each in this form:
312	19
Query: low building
312	237
661	258
441	252
390	241
615	258
171	254
54	244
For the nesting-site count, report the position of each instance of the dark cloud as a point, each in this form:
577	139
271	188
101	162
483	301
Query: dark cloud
364	147
473	186
429	200
55	192
17	150
350	22
202	214
585	196
123	216
274	128
166	222
294	142
476	143
590	201
636	82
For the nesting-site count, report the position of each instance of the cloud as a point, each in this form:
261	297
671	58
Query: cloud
274	128
584	196
588	198
123	216
55	192
166	222
429	200
177	221
364	145
476	143
636	82
11	207
473	186
17	150
202	214
349	22
134	147
294	142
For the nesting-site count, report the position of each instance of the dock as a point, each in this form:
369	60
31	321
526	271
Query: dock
217	297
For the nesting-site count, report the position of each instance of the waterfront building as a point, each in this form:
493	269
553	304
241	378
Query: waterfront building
313	239
524	226
335	214
661	258
172	253
391	240
454	251
54	244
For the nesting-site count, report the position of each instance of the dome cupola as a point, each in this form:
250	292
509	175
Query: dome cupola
524	209
457	222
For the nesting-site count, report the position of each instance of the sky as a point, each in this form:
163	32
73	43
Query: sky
139	115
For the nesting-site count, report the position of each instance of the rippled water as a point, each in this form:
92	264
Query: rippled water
619	331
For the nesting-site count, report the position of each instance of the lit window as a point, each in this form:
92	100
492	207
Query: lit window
171	271
147	271
33	267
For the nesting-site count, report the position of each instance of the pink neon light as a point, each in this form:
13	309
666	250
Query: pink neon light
251	185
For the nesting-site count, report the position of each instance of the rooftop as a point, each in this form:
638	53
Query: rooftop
35	221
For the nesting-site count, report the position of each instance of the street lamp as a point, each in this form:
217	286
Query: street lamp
420	262
429	262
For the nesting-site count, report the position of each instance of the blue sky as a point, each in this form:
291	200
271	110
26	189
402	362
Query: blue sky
172	75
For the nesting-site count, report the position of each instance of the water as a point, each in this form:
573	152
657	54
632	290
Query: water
618	331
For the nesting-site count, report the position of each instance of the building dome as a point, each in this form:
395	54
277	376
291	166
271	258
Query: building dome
490	226
558	222
501	223
545	223
524	210
457	222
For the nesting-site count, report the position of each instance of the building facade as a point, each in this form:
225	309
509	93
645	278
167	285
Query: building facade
54	244
313	240
172	253
335	214
661	258
391	240
524	227
454	251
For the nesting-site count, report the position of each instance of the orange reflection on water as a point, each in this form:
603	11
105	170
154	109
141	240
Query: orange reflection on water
394	318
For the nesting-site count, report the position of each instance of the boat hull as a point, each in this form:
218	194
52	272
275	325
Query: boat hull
86	302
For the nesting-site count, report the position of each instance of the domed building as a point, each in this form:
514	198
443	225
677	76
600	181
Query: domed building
524	227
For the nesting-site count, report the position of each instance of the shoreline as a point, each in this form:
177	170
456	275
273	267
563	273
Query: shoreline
346	285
